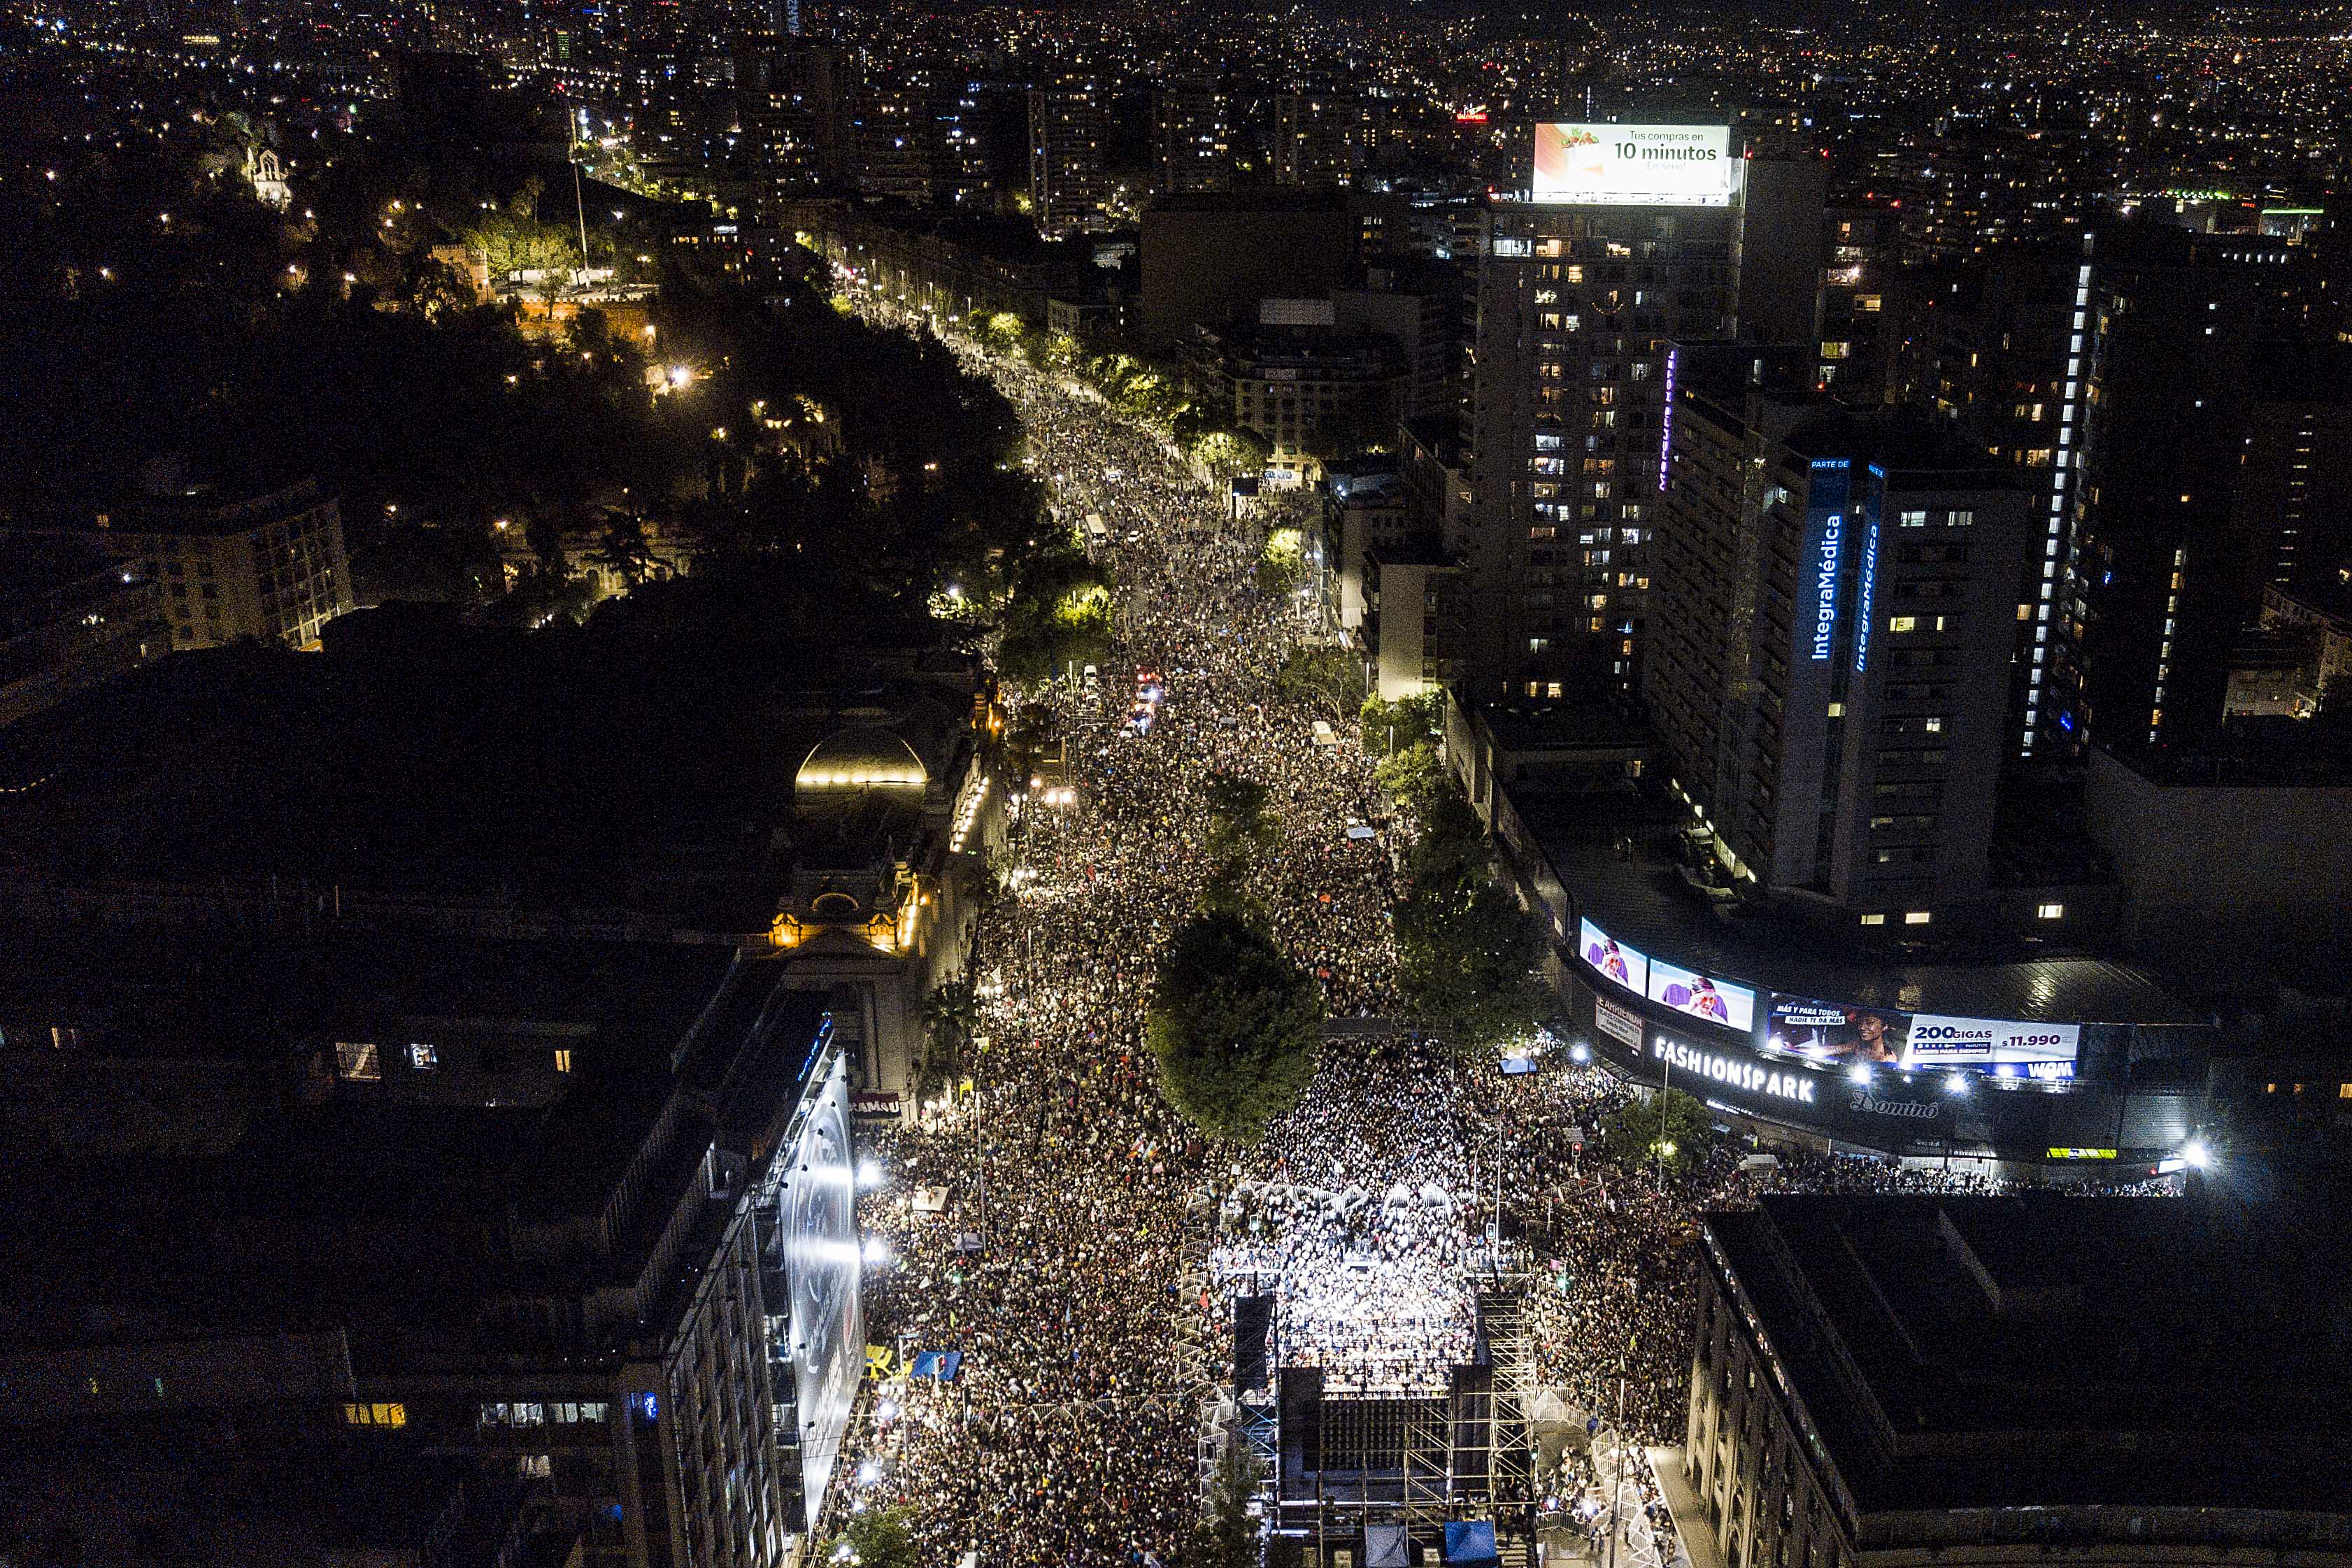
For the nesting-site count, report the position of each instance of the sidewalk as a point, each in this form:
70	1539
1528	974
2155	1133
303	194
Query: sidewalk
1691	1526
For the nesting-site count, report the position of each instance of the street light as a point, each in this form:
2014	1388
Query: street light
2198	1155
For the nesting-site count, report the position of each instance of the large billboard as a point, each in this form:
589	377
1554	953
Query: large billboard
1633	165
1611	959
1702	996
1836	1032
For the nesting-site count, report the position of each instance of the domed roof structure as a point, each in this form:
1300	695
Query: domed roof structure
861	757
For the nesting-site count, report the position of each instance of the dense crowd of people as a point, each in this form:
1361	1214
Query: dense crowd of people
1066	1435
1091	1247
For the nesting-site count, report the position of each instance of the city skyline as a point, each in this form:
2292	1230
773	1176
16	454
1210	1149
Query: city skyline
789	783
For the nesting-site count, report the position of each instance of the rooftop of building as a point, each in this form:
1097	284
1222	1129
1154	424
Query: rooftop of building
1262	342
2252	753
1600	843
1913	451
599	770
2331	599
1258	200
1439	437
43	581
1417	551
2046	1351
258	1196
144	992
1534	727
167	504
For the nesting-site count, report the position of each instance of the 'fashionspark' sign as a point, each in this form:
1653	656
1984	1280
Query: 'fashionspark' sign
1730	1071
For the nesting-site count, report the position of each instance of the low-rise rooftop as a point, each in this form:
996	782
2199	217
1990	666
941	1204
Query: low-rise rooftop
2046	1351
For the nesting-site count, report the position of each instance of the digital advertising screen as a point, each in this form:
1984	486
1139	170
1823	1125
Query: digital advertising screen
1832	1031
1633	165
1936	1041
1685	991
1836	1032
1615	961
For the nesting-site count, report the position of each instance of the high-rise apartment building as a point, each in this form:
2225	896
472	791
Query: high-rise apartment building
1578	293
2155	388
1859	331
1323	138
2002	356
2198	482
1828	670
1069	186
791	98
1192	138
895	130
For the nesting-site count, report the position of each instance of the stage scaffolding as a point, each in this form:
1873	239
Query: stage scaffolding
1344	1461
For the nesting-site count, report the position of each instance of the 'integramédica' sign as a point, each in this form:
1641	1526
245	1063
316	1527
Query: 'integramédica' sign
1825	585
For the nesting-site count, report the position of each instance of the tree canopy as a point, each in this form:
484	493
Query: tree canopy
1466	950
1282	563
1228	1537
1239	823
1669	1128
1414	777
1060	613
1328	679
1389	727
878	1537
1236	1026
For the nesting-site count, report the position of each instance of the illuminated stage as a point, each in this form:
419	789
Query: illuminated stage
1381	1401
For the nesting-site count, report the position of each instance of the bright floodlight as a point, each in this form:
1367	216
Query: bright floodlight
1580	1052
877	1251
681	375
1860	1073
870	1173
1957	1083
2199	1157
869	1472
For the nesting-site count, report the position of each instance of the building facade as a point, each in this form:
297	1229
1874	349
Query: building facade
269	566
1192	138
616	1300
1835	602
791	99
1825	1430
1574	308
68	624
1069	180
1314	392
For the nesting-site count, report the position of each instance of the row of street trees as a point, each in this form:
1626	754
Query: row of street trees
1466	949
1148	389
